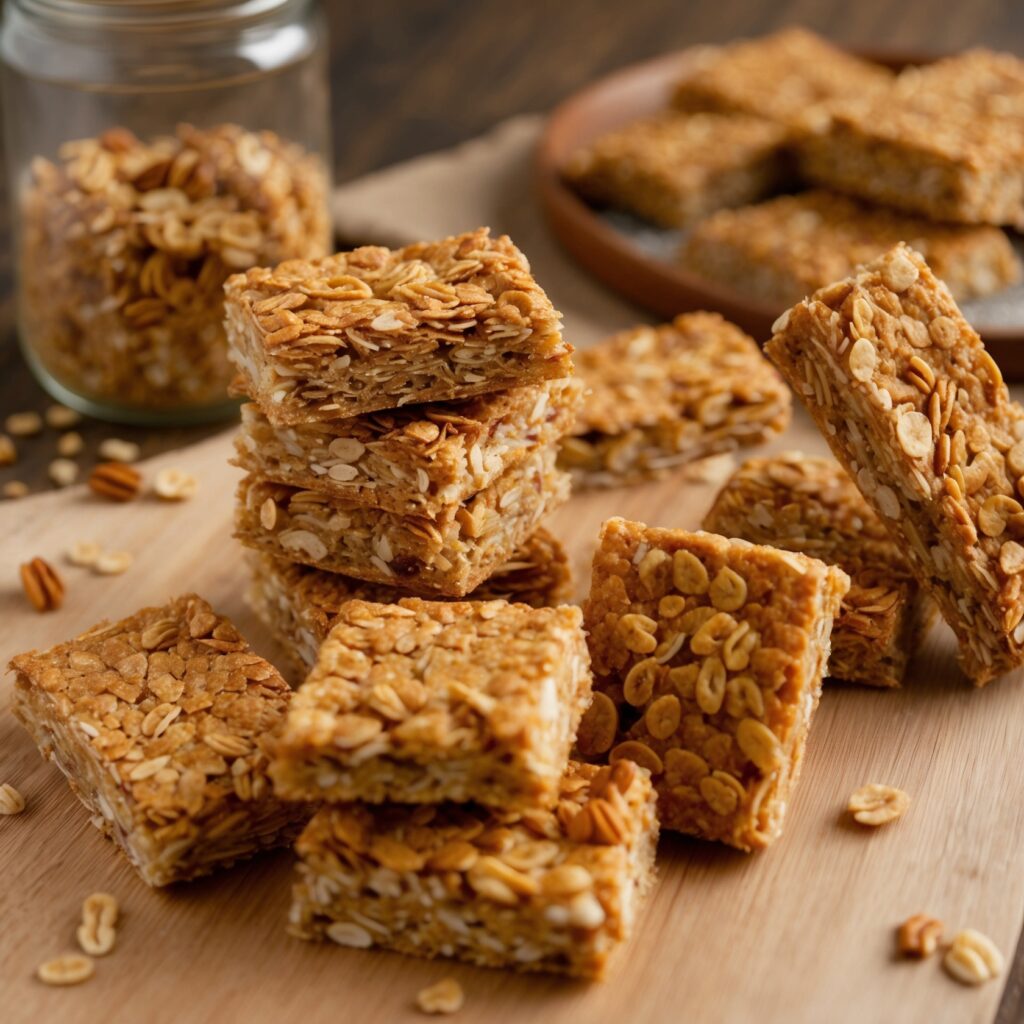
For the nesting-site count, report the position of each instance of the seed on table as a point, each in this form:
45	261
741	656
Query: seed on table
444	996
63	472
919	935
973	958
69	969
15	489
8	452
175	485
24	424
11	801
113	563
84	553
876	804
70	444
60	417
97	934
117	450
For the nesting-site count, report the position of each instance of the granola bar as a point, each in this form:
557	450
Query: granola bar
788	247
659	397
418	459
793	77
917	412
810	505
449	554
423	701
708	656
158	723
378	329
946	141
298	604
673	168
531	890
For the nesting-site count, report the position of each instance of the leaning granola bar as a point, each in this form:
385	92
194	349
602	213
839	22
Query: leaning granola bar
917	412
810	505
788	247
298	604
672	169
531	890
659	397
448	554
423	701
708	657
378	328
158	723
418	459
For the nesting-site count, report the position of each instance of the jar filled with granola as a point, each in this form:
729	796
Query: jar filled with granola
154	148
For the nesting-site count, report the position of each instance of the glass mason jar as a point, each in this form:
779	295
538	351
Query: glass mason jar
155	147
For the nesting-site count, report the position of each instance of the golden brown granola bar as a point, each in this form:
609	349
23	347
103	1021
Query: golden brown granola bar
531	890
659	397
810	505
793	76
786	248
298	603
423	701
708	656
673	168
946	140
378	328
418	459
158	723
449	554
916	410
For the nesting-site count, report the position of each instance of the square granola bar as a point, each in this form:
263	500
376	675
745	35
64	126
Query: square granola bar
916	410
788	247
708	656
416	459
378	328
673	168
159	723
660	397
541	890
298	604
946	141
800	503
423	701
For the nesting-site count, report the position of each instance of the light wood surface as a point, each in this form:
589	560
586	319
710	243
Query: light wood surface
800	934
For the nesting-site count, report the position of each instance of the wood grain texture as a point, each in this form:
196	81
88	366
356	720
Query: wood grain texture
801	934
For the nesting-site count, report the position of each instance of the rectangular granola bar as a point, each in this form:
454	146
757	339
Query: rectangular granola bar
298	603
378	328
788	247
673	168
917	412
423	701
810	505
946	141
708	656
659	397
449	554
416	459
793	76
158	723
555	891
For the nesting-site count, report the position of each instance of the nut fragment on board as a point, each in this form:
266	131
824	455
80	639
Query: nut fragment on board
97	932
116	481
116	450
69	969
42	585
84	553
23	424
973	958
70	444
113	563
63	472
919	936
15	489
175	484
60	417
8	453
877	804
444	996
11	801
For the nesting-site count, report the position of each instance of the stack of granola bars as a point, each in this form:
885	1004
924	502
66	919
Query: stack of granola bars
406	411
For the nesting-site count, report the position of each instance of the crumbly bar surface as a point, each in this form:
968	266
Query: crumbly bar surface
417	459
917	412
793	77
788	247
541	890
448	555
673	168
158	723
298	603
946	141
423	701
378	328
659	397
708	657
806	504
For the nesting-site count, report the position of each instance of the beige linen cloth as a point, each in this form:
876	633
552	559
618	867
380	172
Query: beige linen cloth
485	182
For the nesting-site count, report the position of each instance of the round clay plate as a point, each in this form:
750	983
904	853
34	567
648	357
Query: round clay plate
637	260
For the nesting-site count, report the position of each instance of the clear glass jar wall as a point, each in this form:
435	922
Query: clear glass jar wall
154	147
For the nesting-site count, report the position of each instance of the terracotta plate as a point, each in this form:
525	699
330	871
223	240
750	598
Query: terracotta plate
636	259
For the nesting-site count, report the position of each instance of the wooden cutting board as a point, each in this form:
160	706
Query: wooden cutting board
801	934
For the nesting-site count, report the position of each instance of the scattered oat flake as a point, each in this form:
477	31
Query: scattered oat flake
15	489
63	472
113	563
116	450
23	424
8	453
60	417
69	969
70	444
11	801
876	804
97	933
175	485
973	958
85	553
445	996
